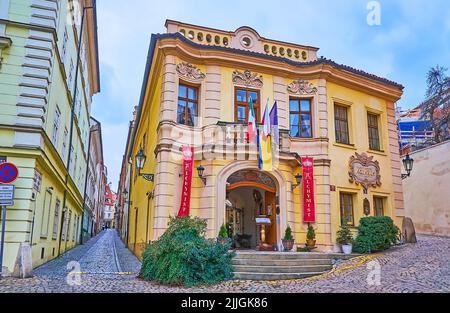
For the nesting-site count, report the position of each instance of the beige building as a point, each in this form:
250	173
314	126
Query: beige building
427	193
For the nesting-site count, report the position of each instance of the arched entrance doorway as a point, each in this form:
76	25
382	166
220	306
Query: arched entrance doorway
251	210
221	194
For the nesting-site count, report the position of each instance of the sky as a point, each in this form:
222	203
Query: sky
412	36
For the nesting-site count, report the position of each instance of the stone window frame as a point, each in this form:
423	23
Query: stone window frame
312	100
341	208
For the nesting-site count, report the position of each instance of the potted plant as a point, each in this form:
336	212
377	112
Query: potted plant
311	237
288	240
223	237
345	239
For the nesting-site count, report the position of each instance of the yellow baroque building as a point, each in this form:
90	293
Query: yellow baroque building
195	92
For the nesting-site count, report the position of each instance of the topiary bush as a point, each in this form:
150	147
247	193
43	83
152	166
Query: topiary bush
184	257
223	233
375	234
288	234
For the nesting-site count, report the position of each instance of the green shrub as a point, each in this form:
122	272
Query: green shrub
344	236
311	235
223	233
375	234
183	257
288	234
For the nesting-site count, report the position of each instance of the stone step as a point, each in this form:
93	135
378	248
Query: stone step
273	276
282	269
290	256
293	262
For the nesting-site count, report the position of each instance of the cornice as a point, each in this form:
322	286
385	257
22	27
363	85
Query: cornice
177	45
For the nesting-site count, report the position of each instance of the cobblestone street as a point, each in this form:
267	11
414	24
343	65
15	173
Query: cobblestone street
107	266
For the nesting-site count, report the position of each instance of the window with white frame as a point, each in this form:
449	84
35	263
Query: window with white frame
37	181
56	122
56	219
64	47
64	145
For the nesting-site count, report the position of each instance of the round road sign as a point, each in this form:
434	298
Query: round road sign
8	173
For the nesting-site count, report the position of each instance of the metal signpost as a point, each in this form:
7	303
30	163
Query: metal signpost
8	174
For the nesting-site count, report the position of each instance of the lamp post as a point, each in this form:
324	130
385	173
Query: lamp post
140	159
408	164
298	179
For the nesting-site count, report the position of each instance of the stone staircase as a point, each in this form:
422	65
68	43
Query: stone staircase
252	265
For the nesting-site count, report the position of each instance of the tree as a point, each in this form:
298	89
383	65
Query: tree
437	108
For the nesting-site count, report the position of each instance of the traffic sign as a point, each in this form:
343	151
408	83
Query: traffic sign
8	173
7	195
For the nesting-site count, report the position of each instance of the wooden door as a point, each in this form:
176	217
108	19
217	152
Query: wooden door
271	212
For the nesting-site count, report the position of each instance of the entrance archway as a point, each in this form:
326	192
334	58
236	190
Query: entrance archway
266	183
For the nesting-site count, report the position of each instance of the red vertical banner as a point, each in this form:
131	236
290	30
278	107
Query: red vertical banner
309	207
188	166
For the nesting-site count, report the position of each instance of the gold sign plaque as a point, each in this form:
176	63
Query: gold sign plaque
364	171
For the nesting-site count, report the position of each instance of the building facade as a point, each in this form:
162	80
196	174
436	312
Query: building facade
123	192
38	130
196	91
95	183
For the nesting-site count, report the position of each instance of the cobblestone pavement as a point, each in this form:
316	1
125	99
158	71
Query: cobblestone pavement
107	266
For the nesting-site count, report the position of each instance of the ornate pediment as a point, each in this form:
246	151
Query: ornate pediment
301	87
190	72
248	79
364	171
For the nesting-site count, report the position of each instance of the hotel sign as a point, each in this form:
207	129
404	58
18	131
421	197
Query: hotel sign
364	171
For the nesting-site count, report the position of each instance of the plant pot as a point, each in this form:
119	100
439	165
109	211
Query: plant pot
310	243
224	241
288	245
347	249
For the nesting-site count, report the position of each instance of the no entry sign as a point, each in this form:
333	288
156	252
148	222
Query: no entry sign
8	173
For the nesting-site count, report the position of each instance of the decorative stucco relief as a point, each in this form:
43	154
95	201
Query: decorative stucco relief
364	171
248	79
190	72
302	87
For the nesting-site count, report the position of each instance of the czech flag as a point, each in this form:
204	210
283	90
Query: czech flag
252	130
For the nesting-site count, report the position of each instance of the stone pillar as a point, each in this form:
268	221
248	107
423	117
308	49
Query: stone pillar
169	86
281	97
212	96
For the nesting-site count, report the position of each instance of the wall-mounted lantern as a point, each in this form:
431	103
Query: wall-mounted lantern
408	164
298	179
201	171
140	163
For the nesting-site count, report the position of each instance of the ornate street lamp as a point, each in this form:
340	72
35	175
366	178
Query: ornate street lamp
298	179
140	163
201	171
408	164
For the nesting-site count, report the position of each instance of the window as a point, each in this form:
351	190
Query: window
347	217
374	134
187	105
37	181
46	213
378	203
69	81
341	124
300	117
64	145
56	220
242	104
56	122
64	47
69	220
